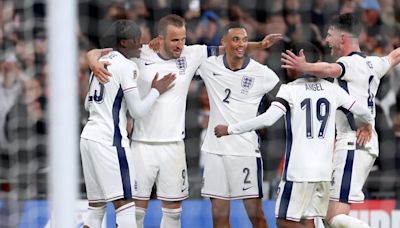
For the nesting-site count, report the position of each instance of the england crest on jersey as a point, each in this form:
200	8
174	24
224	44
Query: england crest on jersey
181	65
247	84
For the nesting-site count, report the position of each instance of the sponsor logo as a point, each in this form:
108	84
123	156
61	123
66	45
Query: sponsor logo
244	189
146	63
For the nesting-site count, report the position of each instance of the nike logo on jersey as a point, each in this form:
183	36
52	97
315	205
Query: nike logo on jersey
244	189
146	64
215	74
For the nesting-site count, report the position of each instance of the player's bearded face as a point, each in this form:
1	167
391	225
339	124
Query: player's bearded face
236	42
173	41
333	40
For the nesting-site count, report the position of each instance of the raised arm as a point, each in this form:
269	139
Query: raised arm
319	69
99	67
265	43
276	111
394	57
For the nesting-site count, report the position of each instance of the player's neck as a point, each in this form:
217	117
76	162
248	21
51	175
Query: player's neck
349	48
123	51
234	63
164	55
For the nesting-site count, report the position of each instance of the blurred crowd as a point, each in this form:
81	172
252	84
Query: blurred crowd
24	90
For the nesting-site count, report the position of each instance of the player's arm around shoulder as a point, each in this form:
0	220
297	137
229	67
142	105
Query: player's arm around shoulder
99	68
320	69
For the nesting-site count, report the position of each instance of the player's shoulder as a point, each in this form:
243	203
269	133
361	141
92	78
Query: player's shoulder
352	57
195	46
113	56
376	60
118	60
194	49
215	58
255	66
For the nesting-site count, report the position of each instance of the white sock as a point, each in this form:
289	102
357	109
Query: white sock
140	212
94	216
344	221
171	218
126	216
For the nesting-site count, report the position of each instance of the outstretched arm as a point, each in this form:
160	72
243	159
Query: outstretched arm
266	119
394	57
319	69
265	43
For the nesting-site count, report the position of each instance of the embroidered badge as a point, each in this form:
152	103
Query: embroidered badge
247	84
181	65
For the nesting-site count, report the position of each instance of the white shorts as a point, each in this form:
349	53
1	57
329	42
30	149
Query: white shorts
302	200
350	171
108	171
232	177
163	164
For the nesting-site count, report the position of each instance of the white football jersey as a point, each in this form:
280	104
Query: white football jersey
234	96
310	106
360	78
106	104
166	120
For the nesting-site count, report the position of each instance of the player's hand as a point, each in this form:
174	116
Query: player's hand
99	68
270	40
163	84
221	130
154	44
364	134
292	61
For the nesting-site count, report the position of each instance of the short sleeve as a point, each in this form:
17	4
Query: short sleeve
198	53
381	65
271	79
128	75
344	64
283	92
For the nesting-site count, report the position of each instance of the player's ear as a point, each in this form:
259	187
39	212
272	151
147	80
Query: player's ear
223	41
343	36
124	43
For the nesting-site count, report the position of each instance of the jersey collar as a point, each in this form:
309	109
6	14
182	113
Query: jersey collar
245	63
358	53
159	55
308	76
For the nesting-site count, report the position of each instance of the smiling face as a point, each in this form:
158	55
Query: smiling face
173	41
235	42
334	41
